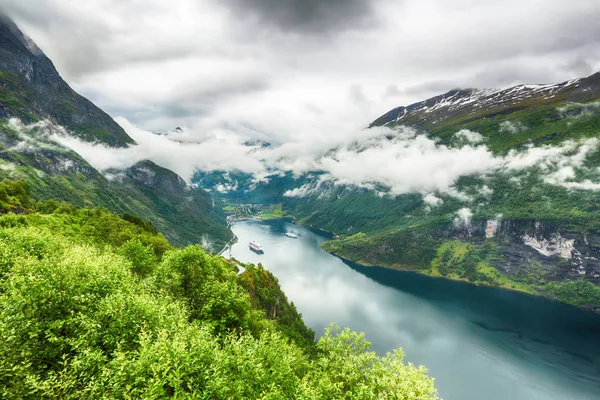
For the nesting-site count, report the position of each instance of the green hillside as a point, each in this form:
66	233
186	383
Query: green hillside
97	306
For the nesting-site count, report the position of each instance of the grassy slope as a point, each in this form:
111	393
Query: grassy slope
95	306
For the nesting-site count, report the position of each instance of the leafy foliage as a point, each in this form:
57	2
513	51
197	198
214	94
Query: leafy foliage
95	306
579	293
14	196
266	294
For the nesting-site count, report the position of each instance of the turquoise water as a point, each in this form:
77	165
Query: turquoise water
477	342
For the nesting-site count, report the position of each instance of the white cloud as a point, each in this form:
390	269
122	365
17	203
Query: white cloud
198	63
400	160
302	191
512	127
578	110
469	136
432	200
463	218
485	191
220	152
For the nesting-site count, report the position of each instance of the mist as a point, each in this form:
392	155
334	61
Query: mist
400	159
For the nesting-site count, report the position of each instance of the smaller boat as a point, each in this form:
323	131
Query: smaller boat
255	247
291	235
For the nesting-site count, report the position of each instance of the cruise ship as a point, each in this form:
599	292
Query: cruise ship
291	235
255	247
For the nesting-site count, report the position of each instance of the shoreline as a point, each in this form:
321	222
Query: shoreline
233	241
397	267
464	281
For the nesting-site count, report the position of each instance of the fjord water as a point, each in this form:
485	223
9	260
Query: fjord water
477	342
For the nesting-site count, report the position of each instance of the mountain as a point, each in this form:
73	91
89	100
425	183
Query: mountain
529	221
465	105
36	104
32	90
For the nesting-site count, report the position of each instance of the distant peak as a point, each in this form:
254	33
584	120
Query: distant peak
468	101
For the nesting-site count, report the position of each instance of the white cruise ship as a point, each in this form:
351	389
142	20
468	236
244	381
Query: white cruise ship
255	247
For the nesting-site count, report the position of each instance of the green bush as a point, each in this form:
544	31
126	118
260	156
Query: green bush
93	306
142	258
579	293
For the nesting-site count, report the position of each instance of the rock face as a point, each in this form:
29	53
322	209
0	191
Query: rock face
31	89
556	245
528	246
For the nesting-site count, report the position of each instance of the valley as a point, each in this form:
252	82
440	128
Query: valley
472	339
526	219
286	239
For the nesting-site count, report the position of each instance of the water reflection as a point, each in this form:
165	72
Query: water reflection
477	342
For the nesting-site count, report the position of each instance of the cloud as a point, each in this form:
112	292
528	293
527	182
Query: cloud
223	152
469	136
391	91
306	16
431	201
393	162
485	191
208	64
430	88
301	191
512	127
463	218
357	95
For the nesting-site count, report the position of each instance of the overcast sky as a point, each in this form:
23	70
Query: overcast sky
308	76
279	69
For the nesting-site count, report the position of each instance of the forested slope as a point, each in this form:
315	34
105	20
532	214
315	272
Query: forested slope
97	306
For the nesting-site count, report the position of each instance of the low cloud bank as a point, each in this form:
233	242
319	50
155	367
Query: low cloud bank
400	160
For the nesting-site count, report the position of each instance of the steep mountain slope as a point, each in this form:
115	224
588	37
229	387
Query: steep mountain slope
32	90
42	106
527	218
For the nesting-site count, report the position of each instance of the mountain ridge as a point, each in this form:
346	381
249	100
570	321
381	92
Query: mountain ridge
36	103
33	90
464	102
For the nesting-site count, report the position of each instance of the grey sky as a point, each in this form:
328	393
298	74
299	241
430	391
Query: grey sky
309	17
283	69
